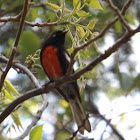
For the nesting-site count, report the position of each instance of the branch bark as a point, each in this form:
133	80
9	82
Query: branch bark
37	85
14	50
120	16
23	69
34	121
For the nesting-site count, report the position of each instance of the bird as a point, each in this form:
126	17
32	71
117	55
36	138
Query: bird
55	61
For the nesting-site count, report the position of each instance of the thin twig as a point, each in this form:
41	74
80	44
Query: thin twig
126	6
14	50
115	9
11	18
66	79
23	69
101	137
17	19
43	24
34	121
94	109
112	127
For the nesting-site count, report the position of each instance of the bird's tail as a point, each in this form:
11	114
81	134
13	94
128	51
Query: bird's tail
80	115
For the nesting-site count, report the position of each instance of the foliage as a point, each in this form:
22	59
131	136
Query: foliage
36	133
84	20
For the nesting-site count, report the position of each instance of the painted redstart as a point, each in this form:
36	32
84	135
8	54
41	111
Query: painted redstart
55	61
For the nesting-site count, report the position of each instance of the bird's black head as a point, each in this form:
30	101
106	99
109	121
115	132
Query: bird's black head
57	39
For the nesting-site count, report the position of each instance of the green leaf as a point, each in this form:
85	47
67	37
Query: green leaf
91	24
8	51
77	3
54	6
85	36
84	82
10	88
78	69
32	14
6	101
82	13
32	59
74	19
16	120
67	10
36	133
37	66
10	42
92	74
63	103
94	4
130	19
83	54
118	27
29	43
70	50
8	95
62	135
80	31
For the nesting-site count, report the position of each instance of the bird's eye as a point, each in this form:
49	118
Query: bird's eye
54	35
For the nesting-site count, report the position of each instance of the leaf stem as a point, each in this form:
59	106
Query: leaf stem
63	6
73	11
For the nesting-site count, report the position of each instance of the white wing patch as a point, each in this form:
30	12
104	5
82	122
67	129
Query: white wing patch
67	57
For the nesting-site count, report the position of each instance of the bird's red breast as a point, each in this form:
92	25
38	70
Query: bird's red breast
51	64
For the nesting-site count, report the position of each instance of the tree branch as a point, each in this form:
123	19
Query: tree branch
126	37
9	64
34	121
22	68
126	6
42	24
17	19
115	9
102	33
112	127
66	79
11	18
37	85
18	101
